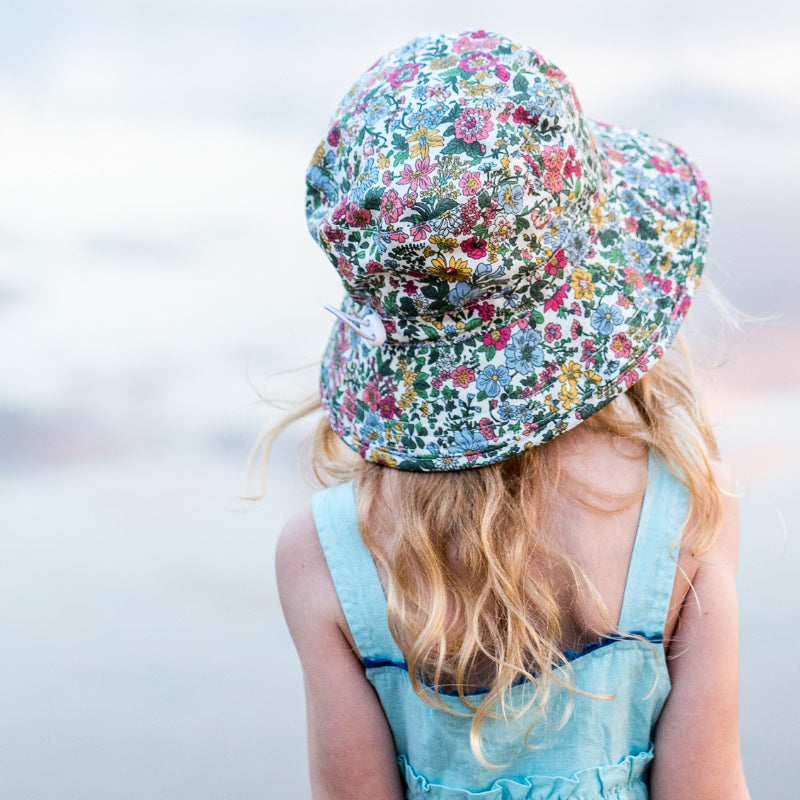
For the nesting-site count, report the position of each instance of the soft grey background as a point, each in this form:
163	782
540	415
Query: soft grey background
154	270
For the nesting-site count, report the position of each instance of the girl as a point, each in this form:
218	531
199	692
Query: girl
521	583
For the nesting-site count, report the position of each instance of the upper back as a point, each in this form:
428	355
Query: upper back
614	734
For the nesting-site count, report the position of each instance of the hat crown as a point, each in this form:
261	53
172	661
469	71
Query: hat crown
453	174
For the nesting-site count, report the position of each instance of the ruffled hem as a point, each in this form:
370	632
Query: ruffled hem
623	781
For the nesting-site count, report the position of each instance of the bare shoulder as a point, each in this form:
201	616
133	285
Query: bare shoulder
305	585
697	738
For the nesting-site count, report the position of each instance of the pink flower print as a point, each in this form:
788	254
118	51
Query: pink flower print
373	267
588	348
553	182
661	165
621	345
345	270
462	376
348	405
387	178
681	308
631	224
417	177
420	230
615	155
409	287
476	62
702	189
372	395
470	183
539	220
387	407
632	277
497	339
552	332
523	117
553	158
477	40
398	236
333	234
409	199
485	427
557	299
473	124
630	376
486	311
572	169
403	75
391	206
334	135
575	329
474	247
557	262
502	72
623	301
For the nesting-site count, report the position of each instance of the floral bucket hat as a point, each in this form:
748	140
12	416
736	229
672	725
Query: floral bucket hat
510	266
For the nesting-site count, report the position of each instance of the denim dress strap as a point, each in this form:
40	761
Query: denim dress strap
354	573
654	559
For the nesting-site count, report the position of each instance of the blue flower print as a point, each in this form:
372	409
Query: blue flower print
634	204
433	115
637	252
646	296
373	428
493	379
671	188
634	175
544	99
458	295
577	245
511	198
507	412
468	440
523	353
605	318
316	177
377	109
366	177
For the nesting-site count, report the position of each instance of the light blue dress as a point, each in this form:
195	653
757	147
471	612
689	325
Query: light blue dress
605	747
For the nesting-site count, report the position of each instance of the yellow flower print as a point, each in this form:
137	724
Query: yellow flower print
568	396
422	140
593	377
444	243
316	159
383	457
383	161
682	232
596	214
444	62
456	270
582	284
570	372
529	144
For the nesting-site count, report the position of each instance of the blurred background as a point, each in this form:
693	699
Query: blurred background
155	272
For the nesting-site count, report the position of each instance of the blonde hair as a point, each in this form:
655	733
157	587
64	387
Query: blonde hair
485	524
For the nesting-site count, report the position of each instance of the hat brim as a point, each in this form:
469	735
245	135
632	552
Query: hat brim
615	306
